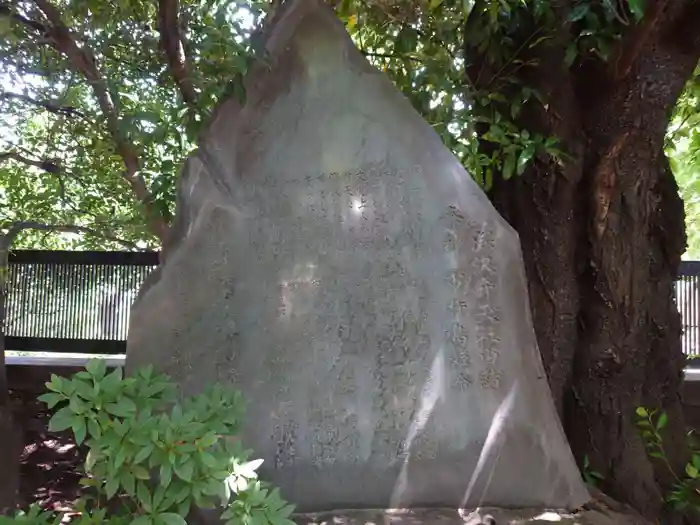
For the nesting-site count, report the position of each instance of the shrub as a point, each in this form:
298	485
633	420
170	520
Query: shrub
686	490
151	459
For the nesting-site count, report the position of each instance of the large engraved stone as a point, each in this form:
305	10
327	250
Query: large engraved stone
333	260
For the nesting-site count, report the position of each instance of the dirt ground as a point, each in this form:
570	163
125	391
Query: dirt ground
51	464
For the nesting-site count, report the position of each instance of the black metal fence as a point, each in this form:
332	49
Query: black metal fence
688	301
76	302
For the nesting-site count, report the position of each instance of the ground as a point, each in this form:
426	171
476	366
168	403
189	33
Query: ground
51	463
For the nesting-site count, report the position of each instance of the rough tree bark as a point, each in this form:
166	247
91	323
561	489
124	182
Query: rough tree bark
602	239
9	442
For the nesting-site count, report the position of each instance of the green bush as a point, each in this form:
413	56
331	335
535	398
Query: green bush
152	459
686	490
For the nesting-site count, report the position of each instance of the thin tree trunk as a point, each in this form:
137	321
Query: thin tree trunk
9	437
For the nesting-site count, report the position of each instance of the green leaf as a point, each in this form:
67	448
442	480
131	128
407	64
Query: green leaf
570	55
143	453
94	428
170	518
158	499
62	420
112	381
182	491
148	116
143	496
185	470
183	509
287	511
488	179
515	108
637	7
128	481
84	389
525	157
90	460
166	474
140	472
56	384
508	165
579	12
146	372
125	407
406	41
691	471
143	520
79	430
642	412
111	487
696	461
208	439
51	399
662	421
208	460
96	368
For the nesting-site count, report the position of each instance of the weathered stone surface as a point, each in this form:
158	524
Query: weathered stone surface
335	262
599	515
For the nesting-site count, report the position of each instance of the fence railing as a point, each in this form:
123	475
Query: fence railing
688	301
78	302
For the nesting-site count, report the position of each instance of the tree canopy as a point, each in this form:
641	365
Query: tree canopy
101	101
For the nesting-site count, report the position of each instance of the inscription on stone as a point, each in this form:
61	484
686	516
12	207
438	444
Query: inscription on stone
334	261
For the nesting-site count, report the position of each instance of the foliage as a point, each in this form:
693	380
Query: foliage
686	491
463	64
151	459
683	150
59	162
590	476
421	47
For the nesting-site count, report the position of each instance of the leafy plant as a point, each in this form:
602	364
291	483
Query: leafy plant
590	476
686	491
151	459
34	516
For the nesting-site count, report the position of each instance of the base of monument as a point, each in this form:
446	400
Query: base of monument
454	480
597	513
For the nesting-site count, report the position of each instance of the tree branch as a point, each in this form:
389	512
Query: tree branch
49	106
15	228
7	11
46	165
83	61
171	42
636	38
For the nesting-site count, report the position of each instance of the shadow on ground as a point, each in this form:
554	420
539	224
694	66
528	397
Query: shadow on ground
51	464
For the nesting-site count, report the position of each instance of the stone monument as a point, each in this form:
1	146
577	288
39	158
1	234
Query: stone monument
333	260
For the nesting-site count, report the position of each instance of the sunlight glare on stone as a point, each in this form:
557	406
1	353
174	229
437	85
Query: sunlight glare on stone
492	441
549	516
433	390
357	206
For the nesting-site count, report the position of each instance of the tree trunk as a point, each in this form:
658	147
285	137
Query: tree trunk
9	448
602	239
9	437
